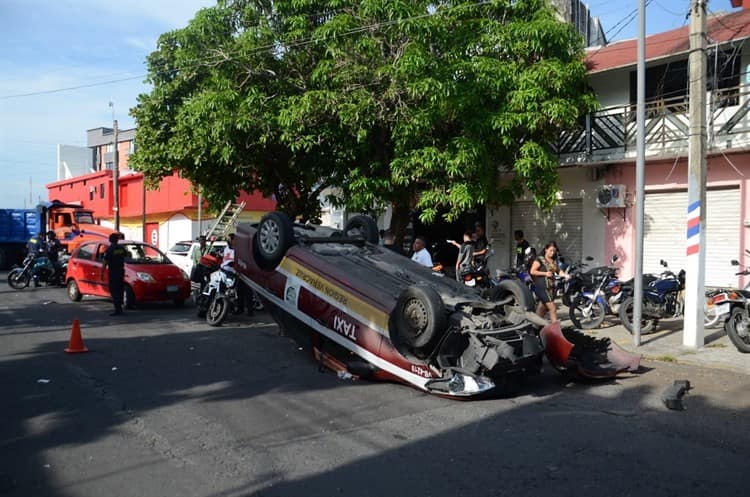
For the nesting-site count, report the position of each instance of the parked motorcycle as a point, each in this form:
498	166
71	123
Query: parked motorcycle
40	268
732	305
478	275
219	296
662	299
590	307
579	280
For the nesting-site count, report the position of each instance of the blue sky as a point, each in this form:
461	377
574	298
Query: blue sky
55	44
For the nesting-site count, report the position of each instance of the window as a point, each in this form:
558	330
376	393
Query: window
131	147
101	191
109	148
86	251
110	165
100	252
91	194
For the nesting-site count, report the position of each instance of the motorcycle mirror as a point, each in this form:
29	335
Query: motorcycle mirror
663	262
735	262
615	258
747	251
589	258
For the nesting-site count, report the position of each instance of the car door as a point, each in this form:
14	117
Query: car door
80	268
99	277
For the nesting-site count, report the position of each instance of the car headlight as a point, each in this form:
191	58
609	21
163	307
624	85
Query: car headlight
145	277
462	384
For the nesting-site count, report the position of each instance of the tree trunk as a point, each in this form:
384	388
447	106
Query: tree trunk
400	220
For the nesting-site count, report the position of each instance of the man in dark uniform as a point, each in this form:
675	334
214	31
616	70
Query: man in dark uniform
53	254
36	247
114	259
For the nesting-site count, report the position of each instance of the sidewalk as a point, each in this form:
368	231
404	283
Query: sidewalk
666	345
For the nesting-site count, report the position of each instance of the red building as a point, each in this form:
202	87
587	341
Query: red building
171	210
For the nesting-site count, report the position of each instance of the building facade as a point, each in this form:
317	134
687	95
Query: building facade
602	152
171	210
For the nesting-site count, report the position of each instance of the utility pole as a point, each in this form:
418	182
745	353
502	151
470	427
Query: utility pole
640	173
200	211
116	182
695	295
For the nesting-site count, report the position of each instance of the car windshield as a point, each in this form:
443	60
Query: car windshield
84	218
181	248
139	253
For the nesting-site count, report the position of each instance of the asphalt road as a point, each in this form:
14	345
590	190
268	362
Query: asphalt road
164	405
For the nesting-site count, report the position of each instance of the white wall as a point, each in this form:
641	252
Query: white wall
176	229
73	161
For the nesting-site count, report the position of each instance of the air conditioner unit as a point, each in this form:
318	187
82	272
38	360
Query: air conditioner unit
610	196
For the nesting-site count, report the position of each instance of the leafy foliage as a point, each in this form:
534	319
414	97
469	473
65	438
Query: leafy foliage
425	104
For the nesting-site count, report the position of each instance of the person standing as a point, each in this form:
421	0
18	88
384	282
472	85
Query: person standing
543	271
521	246
53	254
465	254
114	259
481	245
421	255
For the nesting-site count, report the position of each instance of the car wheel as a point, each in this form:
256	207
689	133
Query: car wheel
364	226
522	296
128	298
419	316
18	279
74	293
274	236
217	311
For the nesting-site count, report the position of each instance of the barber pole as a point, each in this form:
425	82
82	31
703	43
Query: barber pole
693	228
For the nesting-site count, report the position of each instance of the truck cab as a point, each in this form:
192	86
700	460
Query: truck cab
73	224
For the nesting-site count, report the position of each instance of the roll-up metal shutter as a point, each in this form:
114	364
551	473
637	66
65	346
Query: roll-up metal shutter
563	224
666	233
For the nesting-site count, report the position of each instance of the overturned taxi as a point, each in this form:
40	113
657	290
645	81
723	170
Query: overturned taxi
375	314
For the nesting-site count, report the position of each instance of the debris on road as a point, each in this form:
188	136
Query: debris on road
672	396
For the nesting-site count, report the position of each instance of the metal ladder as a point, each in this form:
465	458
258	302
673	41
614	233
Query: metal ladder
225	222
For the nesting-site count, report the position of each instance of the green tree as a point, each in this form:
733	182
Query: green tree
426	104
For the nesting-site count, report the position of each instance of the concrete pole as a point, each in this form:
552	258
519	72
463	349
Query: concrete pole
116	182
143	211
695	294
640	173
200	212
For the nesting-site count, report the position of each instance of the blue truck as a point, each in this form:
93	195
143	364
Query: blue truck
17	226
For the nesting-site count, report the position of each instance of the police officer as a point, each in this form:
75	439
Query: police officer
53	253
114	259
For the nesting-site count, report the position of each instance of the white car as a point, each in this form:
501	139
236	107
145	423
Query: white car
182	254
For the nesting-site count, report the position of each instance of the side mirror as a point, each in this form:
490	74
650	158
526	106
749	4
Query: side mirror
589	258
735	262
615	258
663	262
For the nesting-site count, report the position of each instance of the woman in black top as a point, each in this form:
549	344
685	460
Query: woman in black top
543	271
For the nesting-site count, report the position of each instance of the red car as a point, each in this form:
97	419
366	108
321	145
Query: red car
149	275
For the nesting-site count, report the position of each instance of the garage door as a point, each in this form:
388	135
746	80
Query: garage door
665	233
563	224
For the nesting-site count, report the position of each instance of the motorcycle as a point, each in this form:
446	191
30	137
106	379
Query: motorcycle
37	267
732	306
477	275
571	288
219	296
662	299
589	309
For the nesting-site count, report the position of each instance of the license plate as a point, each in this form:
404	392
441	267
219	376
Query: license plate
723	308
172	288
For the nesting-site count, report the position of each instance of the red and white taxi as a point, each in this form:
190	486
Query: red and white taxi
149	275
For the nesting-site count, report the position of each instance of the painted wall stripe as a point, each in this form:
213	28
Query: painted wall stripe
694	206
693	231
696	221
692	249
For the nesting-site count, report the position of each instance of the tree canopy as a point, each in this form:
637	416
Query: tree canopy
425	104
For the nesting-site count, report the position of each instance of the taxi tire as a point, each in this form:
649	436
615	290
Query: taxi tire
364	225
419	316
278	226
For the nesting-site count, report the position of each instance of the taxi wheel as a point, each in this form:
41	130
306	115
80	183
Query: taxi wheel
364	226
419	316
274	236
74	293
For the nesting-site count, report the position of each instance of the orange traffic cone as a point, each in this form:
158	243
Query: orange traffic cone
76	342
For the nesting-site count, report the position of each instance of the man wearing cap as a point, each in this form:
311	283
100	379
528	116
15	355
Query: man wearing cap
114	259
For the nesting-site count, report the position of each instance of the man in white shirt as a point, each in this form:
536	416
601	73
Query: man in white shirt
227	261
421	255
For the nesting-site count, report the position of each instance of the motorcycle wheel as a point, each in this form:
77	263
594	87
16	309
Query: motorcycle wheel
568	298
626	316
738	329
587	320
18	279
217	311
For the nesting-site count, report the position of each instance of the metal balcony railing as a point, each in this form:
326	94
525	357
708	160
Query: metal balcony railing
612	131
